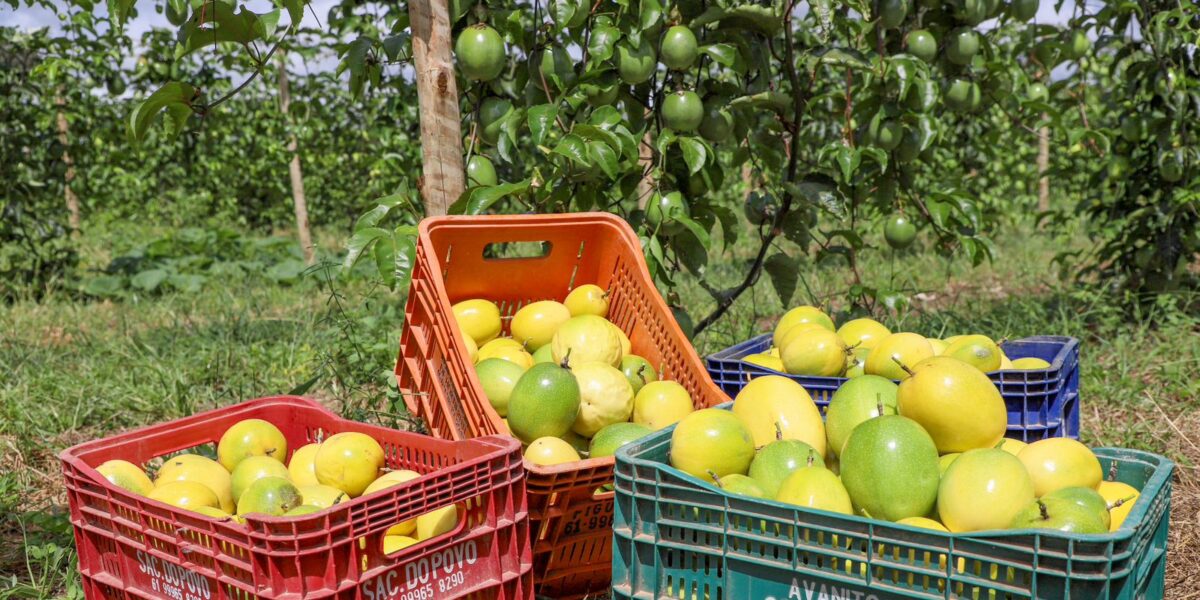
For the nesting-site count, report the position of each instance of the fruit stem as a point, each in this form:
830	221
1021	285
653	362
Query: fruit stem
1042	509
778	432
713	474
1112	471
903	366
641	373
999	445
879	405
812	458
1121	502
566	361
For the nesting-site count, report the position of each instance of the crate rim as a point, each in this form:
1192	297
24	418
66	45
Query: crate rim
621	227
504	445
1163	468
1070	343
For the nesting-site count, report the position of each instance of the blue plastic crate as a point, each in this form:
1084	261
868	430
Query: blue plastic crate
1041	403
676	537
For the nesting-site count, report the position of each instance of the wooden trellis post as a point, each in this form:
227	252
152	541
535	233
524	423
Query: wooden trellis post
437	91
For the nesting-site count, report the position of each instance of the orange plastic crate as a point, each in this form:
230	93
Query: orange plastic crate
455	261
133	547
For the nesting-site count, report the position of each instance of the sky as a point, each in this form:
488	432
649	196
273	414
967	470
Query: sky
37	17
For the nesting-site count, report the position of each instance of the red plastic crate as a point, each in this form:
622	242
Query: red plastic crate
571	523
134	547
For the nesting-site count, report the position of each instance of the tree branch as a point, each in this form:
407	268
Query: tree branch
799	100
261	64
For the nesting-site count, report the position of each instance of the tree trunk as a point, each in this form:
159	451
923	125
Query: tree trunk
299	202
645	163
64	138
1043	165
437	93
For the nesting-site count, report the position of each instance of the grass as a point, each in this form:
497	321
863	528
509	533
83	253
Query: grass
72	371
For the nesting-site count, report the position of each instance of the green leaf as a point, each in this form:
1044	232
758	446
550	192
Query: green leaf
180	7
785	274
795	228
906	71
398	47
479	199
1076	135
118	12
563	12
385	259
406	254
148	280
852	237
360	242
288	271
105	286
186	283
589	132
354	57
842	57
822	193
602	154
776	101
729	225
651	14
665	138
606	117
654	249
695	228
175	97
723	54
510	128
848	160
602	43
747	16
695	153
572	147
372	217
541	117
222	24
877	154
926	131
269	21
824	11
295	9
939	212
691	250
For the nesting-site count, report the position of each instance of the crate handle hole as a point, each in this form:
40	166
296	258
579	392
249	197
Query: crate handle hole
517	250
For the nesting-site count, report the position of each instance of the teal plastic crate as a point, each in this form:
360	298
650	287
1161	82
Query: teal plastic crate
675	537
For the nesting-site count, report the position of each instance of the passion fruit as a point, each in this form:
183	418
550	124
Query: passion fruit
679	48
480	53
480	171
635	64
683	111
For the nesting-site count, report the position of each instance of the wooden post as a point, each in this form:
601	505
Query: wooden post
646	163
299	201
64	138
1043	165
437	93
